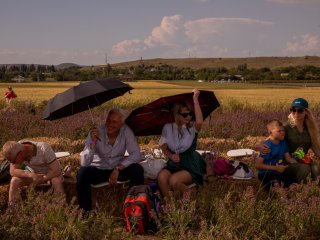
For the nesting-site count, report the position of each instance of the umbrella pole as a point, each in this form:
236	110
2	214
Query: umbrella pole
91	114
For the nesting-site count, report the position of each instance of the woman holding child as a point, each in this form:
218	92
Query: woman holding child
178	143
301	134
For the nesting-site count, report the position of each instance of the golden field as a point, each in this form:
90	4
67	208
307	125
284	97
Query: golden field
251	95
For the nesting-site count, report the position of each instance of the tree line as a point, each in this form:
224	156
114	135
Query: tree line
160	72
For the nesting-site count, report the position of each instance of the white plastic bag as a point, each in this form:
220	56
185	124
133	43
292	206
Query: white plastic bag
242	171
152	167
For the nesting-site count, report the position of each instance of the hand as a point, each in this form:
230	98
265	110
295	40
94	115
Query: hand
262	148
37	178
114	177
196	94
280	168
175	158
94	133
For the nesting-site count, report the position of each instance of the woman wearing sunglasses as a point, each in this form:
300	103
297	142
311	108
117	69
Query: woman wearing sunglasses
178	143
301	135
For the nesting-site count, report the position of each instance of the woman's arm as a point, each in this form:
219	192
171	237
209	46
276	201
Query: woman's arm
262	148
316	149
166	151
197	110
289	159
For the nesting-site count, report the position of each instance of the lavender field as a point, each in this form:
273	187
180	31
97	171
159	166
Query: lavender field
222	209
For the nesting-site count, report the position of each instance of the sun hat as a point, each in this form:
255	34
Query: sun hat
11	149
300	103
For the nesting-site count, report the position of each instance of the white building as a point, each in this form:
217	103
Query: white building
18	79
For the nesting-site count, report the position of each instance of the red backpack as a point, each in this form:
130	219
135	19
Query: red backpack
139	210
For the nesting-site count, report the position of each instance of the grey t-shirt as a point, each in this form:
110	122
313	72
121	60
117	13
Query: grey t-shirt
43	157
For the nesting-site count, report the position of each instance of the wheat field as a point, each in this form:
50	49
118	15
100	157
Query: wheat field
250	95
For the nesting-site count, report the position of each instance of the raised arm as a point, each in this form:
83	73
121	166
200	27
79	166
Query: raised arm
86	156
197	110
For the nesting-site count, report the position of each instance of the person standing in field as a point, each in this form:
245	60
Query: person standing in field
10	95
301	134
178	143
103	158
32	163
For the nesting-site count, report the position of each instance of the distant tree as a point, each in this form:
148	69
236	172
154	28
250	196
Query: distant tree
32	68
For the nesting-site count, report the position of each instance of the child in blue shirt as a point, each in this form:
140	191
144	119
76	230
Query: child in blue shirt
270	166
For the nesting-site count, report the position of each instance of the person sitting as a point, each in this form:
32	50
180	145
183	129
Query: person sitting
103	158
271	167
32	163
178	143
10	95
301	134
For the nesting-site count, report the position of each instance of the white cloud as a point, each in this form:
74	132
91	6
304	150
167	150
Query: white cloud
205	37
209	27
304	44
293	1
166	33
127	47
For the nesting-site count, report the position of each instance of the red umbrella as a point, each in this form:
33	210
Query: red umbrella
150	119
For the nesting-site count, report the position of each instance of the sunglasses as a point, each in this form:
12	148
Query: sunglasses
186	114
299	110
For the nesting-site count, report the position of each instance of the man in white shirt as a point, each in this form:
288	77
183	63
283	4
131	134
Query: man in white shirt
103	157
32	163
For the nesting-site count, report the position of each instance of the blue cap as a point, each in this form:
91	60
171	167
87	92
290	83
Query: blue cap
300	103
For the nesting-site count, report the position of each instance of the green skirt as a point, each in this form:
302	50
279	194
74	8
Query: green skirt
191	161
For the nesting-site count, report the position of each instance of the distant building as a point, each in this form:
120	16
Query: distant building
125	78
18	79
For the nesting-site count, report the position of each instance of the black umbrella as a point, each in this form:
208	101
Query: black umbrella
150	119
83	97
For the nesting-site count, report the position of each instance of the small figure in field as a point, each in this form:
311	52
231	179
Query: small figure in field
10	95
271	166
32	163
178	142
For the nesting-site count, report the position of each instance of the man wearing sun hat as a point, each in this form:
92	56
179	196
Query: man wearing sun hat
32	163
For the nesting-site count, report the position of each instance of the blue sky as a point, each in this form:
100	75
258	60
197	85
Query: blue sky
89	32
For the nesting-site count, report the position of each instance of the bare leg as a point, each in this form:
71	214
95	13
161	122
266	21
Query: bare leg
57	185
14	190
180	181
163	182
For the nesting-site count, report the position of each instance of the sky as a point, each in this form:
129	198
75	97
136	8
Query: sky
95	32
